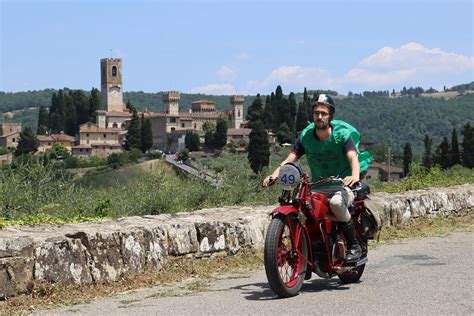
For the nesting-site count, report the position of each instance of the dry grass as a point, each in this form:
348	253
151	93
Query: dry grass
198	272
183	276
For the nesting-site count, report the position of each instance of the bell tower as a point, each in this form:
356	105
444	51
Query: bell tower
111	84
171	101
236	110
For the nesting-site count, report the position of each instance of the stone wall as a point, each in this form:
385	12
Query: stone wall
104	251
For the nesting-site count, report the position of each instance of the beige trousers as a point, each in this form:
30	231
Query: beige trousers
340	198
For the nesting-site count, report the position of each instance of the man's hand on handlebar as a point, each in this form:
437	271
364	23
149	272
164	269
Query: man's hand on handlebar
268	181
350	180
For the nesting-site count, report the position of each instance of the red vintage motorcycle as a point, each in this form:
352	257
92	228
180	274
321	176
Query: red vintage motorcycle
302	238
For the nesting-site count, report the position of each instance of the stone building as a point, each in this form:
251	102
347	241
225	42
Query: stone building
9	134
47	141
169	128
105	136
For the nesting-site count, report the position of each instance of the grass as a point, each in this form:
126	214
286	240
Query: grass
183	275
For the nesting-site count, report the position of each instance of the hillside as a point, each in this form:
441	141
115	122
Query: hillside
392	121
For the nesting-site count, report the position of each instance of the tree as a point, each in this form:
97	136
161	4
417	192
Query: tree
81	103
146	135
220	138
58	151
255	110
268	118
258	148
70	127
28	143
454	153
94	104
132	139
304	113
191	141
407	159
57	112
284	134
209	135
42	121
427	161
441	156
468	146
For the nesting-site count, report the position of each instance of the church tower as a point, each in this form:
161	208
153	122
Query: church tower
111	84
171	101
236	110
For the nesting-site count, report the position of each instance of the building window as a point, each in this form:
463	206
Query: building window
195	125
114	125
80	150
105	135
87	135
172	119
238	113
182	125
13	139
173	129
114	71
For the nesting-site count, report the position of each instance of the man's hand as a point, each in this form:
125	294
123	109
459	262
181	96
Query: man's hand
268	181
350	180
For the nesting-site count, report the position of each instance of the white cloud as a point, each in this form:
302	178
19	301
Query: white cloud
216	89
243	56
293	78
227	72
408	64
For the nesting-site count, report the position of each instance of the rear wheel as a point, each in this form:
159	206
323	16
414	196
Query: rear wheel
285	255
353	275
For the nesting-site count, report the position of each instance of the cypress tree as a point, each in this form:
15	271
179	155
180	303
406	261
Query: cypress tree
42	121
220	138
441	156
258	148
427	158
28	143
57	112
146	136
407	159
81	104
209	135
132	139
268	118
71	127
191	141
284	135
94	104
292	106
468	146
454	154
255	110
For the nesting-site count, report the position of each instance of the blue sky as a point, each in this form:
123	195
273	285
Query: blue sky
245	47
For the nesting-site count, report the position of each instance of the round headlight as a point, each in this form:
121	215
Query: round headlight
290	175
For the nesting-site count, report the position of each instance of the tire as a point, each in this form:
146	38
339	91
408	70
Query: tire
353	275
285	265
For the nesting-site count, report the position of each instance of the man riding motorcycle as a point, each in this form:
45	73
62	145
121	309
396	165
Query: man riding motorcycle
331	148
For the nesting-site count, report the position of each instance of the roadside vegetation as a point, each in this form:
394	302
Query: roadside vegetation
33	193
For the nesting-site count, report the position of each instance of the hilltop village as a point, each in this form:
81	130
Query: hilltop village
107	134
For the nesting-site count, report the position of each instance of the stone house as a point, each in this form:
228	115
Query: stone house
382	172
97	141
9	134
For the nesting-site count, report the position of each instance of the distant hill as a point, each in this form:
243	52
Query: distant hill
392	121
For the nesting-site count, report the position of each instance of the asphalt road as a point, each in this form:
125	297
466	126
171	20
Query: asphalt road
426	276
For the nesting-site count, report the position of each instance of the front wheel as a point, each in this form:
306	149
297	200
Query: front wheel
285	255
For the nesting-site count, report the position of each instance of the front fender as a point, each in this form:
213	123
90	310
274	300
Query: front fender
285	210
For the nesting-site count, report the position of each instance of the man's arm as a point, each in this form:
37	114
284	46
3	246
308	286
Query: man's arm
292	157
355	167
